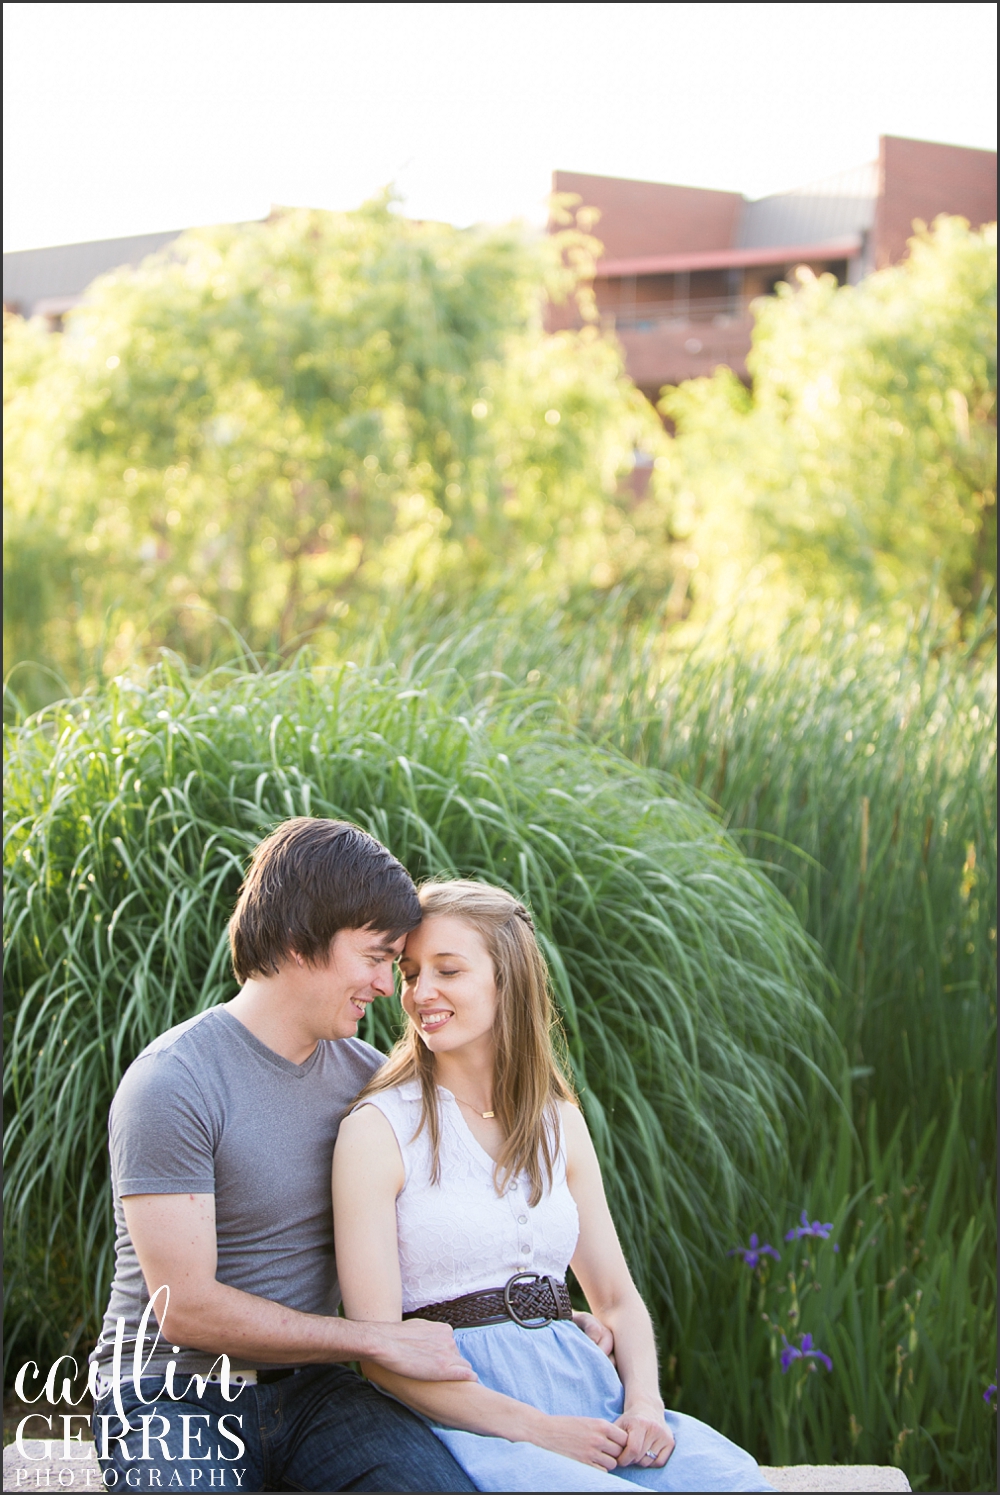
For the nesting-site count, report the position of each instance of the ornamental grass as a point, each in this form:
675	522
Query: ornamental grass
765	882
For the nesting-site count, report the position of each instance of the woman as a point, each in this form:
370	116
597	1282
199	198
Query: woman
465	1183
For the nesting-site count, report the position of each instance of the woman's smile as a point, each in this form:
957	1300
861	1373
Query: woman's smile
433	1019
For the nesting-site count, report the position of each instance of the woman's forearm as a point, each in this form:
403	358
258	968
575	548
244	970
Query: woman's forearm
635	1349
462	1404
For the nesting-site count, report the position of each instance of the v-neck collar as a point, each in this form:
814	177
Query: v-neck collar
466	1133
262	1051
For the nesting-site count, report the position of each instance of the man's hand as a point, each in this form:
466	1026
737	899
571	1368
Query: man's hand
420	1349
650	1441
598	1332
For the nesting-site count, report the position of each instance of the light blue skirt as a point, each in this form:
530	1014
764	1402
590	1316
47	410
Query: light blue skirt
560	1371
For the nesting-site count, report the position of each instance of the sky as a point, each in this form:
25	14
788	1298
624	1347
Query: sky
131	118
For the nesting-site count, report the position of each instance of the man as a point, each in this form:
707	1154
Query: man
222	1135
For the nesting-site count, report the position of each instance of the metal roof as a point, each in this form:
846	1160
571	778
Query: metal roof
53	279
832	208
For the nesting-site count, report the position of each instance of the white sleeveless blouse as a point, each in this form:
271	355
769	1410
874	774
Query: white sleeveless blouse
458	1236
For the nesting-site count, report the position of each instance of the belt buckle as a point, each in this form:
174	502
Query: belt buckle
512	1312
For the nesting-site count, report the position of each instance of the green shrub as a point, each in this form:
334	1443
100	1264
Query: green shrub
274	423
864	458
686	986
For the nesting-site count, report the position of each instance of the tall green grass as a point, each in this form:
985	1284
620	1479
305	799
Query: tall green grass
856	765
902	1297
864	774
686	986
594	771
855	762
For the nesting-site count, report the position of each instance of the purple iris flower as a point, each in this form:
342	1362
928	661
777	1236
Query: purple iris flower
752	1254
990	1393
807	1352
818	1230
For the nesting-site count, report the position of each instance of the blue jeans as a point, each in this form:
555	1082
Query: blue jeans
321	1429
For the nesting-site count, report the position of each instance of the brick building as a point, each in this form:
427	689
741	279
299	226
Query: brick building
682	264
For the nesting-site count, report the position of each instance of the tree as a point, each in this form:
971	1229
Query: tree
863	460
278	423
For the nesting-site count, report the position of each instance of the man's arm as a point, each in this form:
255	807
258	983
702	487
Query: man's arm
174	1239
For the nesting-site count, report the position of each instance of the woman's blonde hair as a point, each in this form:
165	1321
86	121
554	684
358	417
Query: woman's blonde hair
529	1075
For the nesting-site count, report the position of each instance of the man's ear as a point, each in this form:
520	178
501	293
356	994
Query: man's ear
298	959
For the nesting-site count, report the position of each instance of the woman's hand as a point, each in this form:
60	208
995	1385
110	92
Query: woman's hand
589	1440
650	1442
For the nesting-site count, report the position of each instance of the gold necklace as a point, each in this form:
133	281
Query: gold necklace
486	1115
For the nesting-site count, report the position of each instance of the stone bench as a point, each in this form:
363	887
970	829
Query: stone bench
53	1473
83	1473
840	1477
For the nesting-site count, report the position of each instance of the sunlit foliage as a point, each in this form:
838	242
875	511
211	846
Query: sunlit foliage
274	422
863	462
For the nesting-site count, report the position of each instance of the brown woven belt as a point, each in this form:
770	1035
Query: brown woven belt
526	1298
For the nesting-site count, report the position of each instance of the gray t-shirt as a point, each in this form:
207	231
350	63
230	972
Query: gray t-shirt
209	1109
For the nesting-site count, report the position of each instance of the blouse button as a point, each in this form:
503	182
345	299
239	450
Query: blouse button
525	1250
513	1188
522	1219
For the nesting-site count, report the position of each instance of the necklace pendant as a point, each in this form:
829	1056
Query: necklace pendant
486	1115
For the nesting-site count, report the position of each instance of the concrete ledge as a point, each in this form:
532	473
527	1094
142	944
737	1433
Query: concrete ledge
46	1469
851	1479
82	1472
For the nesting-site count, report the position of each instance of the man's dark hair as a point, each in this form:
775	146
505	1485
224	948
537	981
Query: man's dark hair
308	879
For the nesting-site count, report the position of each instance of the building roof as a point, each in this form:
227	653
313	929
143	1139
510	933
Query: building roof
730	259
53	279
654	228
833	208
